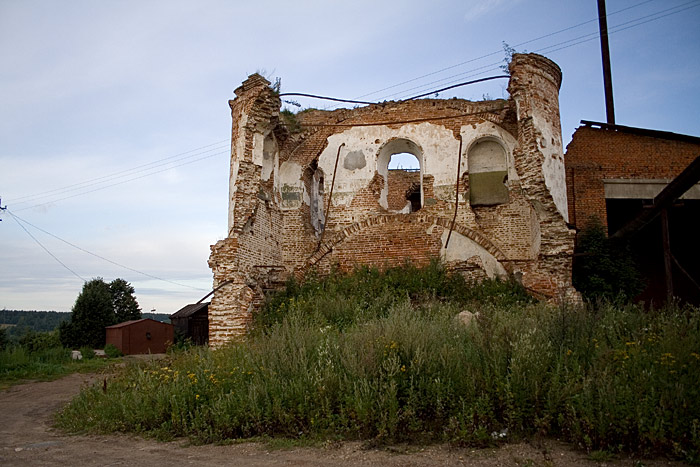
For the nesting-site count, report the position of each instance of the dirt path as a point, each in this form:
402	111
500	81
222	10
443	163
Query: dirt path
26	438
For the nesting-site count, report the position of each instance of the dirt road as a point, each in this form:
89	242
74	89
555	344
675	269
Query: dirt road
26	438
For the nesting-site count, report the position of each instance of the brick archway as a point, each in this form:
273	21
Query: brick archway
339	237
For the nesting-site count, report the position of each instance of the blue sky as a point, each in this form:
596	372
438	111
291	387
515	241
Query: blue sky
97	93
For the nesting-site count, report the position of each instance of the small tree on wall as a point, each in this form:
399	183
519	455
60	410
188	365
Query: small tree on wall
98	305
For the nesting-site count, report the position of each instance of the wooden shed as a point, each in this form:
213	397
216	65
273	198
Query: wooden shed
140	336
192	321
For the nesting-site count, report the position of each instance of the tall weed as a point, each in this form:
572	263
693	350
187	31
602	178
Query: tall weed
373	356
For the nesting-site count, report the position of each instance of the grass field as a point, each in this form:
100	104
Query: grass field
379	356
18	364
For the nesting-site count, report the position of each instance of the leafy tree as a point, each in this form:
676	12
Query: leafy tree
124	302
99	305
92	312
3	339
604	268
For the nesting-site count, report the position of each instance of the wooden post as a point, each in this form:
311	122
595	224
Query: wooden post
605	52
667	255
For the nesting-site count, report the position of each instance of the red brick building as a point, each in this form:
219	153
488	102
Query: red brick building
140	336
614	172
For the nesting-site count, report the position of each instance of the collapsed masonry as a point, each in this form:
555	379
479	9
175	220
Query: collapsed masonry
316	191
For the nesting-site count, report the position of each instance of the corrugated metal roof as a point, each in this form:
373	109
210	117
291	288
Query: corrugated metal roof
127	323
189	310
643	131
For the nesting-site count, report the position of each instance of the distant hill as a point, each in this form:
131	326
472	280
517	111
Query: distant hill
162	317
39	321
17	322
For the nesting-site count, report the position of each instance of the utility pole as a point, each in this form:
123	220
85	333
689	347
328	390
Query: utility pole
605	52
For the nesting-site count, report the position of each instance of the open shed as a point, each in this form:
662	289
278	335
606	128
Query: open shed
140	336
192	321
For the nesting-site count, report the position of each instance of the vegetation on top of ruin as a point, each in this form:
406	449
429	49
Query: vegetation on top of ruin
379	356
289	120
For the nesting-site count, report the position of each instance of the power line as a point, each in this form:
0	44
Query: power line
121	174
17	218
550	48
46	249
474	81
80	187
500	51
121	182
466	74
618	28
324	97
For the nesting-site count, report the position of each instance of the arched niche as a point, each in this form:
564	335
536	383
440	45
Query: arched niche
314	185
488	172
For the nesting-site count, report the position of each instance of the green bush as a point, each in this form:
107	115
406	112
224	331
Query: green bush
33	341
87	352
603	267
112	351
344	299
391	364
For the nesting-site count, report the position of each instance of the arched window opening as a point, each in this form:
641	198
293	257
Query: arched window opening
400	163
488	174
404	161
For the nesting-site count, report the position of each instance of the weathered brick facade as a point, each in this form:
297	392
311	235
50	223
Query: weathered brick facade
282	222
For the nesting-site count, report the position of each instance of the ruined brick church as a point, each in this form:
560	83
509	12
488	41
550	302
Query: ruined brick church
316	191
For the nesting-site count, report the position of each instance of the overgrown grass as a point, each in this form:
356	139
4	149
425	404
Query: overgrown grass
18	363
378	356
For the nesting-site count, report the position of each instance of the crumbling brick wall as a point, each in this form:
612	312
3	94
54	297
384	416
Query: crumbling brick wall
283	219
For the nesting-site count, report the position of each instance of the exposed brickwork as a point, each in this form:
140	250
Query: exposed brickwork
281	223
400	182
596	154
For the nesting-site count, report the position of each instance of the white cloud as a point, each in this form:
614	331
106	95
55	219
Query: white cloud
480	8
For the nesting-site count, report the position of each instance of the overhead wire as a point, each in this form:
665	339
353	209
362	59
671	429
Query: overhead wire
121	174
619	27
161	162
18	219
578	40
44	248
121	182
500	51
81	186
551	48
118	173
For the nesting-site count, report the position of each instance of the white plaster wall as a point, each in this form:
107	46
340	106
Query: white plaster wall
237	151
270	156
549	142
439	158
258	147
462	248
290	182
